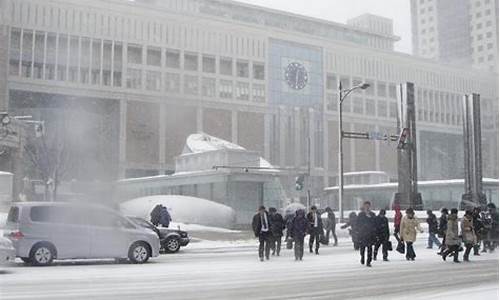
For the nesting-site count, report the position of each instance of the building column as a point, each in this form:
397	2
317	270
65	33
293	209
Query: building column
282	132
326	152
312	140
234	126
297	128
122	161
162	135
199	119
267	136
377	151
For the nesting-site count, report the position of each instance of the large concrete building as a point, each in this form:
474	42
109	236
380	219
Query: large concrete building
125	82
459	32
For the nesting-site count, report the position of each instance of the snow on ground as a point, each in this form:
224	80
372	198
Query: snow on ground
182	209
234	272
198	227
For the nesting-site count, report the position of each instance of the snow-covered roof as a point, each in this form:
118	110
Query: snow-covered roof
420	183
202	142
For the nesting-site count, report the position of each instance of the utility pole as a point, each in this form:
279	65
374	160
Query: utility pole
341	156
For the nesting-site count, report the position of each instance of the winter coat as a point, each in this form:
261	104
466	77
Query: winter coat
330	221
409	229
352	222
433	224
452	236
277	224
468	233
367	230
397	216
164	217
257	225
299	227
310	218
382	228
155	215
443	225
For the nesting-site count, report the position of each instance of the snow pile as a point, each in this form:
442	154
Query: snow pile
202	142
182	209
197	227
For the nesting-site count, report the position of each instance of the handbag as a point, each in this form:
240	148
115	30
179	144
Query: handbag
401	247
388	245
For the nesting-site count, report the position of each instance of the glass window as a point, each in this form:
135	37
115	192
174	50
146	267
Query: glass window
190	85
242	91
134	78
190	62
134	54
153	81
226	66
208	87
242	69
331	102
382	108
381	89
208	64
331	82
371	89
370	107
154	57
172	82
355	82
346	82
392	91
117	73
357	105
173	59
226	89
258	71
259	93
393	109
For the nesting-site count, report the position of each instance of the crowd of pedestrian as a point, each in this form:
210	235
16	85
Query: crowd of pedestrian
370	232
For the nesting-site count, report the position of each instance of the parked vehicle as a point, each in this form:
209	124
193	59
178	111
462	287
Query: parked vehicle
44	231
171	240
7	251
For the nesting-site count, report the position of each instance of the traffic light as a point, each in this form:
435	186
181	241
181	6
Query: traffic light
299	182
403	138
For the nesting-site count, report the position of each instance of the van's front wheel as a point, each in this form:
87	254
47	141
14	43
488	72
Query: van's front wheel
139	253
42	254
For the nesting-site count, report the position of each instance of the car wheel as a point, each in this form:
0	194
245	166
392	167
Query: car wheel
172	245
139	253
42	254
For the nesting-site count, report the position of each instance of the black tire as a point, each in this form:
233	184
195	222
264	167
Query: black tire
42	254
139	253
171	244
26	260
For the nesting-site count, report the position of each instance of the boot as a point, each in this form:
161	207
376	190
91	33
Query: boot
362	260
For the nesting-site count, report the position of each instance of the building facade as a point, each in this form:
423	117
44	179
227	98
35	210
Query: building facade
128	81
463	32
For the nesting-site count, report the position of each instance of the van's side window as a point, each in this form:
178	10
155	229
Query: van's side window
40	213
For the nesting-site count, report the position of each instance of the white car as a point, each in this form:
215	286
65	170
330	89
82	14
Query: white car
7	251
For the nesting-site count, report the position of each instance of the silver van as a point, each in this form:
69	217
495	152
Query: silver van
44	231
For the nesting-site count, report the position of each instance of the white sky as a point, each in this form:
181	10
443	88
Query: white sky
341	10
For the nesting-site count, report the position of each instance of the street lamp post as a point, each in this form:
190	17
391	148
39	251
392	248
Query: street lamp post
342	95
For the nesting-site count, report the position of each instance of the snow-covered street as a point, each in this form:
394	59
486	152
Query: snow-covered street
233	271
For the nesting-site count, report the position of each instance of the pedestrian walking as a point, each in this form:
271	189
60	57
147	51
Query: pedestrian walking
452	239
315	228
165	217
493	232
479	229
432	223
468	233
382	235
367	233
155	215
277	226
409	227
353	231
262	229
298	229
397	218
331	223
443	226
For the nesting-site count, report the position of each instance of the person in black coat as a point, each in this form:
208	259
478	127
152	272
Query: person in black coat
315	228
261	226
443	226
432	223
331	223
367	232
353	231
479	228
298	229
382	235
277	226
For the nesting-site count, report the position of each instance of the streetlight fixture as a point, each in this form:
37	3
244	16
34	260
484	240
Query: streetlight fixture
342	96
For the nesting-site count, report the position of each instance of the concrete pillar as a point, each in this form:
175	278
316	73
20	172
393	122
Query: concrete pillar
123	139
282	118
267	136
4	67
234	126
298	139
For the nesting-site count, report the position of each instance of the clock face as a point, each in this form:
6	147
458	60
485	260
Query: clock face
296	76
